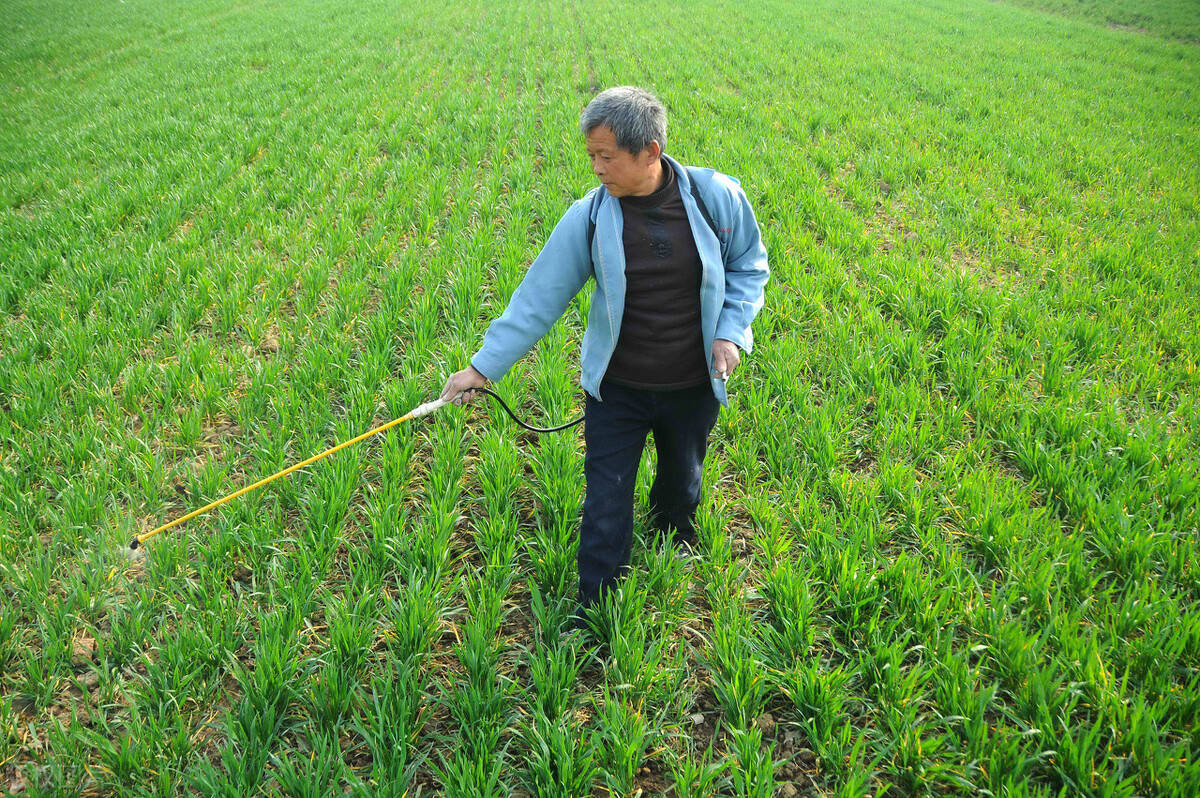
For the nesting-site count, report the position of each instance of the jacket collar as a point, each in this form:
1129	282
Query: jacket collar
681	174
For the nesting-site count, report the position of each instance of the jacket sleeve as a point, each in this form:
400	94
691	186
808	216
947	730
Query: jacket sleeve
746	271
553	279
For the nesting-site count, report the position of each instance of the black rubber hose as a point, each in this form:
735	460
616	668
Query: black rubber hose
539	430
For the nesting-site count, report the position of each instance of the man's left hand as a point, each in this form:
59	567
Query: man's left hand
726	357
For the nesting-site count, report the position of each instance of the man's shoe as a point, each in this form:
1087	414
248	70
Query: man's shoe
579	622
580	631
685	548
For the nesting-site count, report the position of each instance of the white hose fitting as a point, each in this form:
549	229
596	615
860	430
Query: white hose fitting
427	408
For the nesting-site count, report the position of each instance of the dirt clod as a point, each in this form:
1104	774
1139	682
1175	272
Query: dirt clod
83	648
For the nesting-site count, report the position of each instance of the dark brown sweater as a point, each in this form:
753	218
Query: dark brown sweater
660	346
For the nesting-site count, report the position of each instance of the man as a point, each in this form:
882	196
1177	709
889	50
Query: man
680	268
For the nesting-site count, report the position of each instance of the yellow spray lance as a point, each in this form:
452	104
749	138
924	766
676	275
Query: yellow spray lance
417	412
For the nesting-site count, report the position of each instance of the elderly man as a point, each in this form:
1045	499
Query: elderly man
680	268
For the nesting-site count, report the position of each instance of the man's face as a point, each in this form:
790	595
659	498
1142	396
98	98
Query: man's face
621	172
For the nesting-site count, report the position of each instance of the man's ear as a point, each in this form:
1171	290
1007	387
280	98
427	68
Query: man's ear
653	150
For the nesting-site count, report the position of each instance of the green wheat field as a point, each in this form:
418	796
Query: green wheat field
950	529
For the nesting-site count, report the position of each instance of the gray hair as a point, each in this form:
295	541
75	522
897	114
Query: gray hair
635	116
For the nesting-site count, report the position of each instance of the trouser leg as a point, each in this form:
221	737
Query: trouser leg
681	424
614	436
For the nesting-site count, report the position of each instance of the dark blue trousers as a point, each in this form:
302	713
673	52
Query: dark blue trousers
614	434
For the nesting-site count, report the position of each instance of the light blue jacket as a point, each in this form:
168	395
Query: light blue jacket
733	274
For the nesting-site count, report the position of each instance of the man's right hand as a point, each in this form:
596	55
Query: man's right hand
460	388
